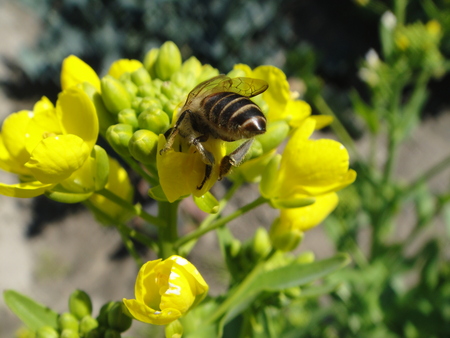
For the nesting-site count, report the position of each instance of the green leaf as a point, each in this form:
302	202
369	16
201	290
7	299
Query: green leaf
297	274
30	312
207	203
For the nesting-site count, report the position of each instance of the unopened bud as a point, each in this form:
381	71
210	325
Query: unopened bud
80	304
114	95
149	103
191	66
128	116
276	133
171	91
207	73
305	258
169	108
155	120
68	333
47	332
87	324
118	320
235	247
118	137
269	177
168	60
68	321
100	167
131	88
174	329
149	61
142	146
102	317
140	77
261	243
284	239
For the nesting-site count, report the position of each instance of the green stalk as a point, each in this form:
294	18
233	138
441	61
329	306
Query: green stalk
201	231
138	169
136	209
168	234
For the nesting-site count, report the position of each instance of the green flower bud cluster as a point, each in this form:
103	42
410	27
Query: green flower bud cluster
142	104
79	323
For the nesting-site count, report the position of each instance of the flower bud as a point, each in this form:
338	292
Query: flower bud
207	73
117	319
293	292
155	120
96	333
105	118
110	333
269	177
80	304
102	317
87	324
171	91
179	79
100	167
147	90
148	103
114	95
169	108
118	137
276	132
305	257
128	116
284	239
68	333
68	321
47	332
130	87
261	243
135	102
149	61
168	61
140	77
191	66
174	330
235	247
143	145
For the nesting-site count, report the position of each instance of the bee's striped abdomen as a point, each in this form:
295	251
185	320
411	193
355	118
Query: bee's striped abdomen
231	111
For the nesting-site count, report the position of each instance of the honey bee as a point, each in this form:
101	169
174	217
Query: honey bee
221	108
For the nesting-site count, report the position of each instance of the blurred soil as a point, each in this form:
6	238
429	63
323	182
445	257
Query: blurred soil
76	252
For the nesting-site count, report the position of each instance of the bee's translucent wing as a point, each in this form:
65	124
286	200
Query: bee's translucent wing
244	86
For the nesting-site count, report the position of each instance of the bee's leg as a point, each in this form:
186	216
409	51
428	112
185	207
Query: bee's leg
235	158
175	131
207	157
208	170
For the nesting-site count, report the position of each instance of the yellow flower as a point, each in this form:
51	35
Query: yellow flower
122	66
75	71
119	184
310	168
166	290
181	172
287	230
49	144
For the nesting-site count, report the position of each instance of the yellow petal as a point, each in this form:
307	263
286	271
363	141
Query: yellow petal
57	157
308	217
9	164
14	133
296	112
122	66
24	190
322	121
42	105
246	69
146	314
77	115
200	286
43	124
278	94
75	71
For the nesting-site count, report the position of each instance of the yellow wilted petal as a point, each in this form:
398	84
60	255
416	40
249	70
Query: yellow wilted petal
24	190
15	133
305	218
77	115
124	66
42	105
278	94
75	71
57	157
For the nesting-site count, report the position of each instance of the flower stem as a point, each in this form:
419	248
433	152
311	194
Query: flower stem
138	169
168	234
136	209
222	221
